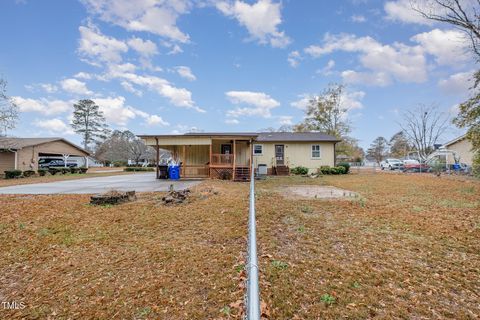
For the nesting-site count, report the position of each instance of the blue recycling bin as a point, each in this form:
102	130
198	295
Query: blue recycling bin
174	172
456	166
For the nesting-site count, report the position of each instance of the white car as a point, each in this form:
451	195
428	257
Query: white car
391	164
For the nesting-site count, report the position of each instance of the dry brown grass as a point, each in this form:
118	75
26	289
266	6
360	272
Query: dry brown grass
407	248
58	177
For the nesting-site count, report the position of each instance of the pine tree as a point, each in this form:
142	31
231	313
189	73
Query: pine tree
89	122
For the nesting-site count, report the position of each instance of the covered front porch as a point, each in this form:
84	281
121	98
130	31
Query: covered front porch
217	157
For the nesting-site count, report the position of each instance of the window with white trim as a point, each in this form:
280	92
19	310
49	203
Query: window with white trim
315	151
257	149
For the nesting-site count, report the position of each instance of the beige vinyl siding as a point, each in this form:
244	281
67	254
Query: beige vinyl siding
298	154
463	148
7	161
197	155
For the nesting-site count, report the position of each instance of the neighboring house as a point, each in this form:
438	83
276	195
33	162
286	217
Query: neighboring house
462	147
24	153
229	155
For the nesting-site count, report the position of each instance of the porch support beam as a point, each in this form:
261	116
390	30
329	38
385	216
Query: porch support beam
234	158
184	162
210	162
157	159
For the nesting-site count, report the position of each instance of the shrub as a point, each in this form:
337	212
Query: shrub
332	170
346	165
299	170
324	170
12	174
120	163
42	172
135	169
74	170
28	173
341	170
53	170
476	164
82	170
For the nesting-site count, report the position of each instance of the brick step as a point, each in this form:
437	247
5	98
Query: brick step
282	171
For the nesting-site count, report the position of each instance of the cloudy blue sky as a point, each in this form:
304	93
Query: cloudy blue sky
171	66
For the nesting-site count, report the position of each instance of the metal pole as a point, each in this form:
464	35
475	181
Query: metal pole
253	292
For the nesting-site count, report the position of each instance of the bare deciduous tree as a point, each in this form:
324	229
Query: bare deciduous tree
423	127
462	14
8	110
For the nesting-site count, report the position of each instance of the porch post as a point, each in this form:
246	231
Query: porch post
184	161
157	159
251	156
210	163
234	158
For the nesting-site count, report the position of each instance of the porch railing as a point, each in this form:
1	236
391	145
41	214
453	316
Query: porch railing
222	159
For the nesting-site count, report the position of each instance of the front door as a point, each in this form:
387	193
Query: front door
226	149
279	154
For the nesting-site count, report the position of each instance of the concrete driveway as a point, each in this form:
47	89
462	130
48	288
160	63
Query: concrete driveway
140	182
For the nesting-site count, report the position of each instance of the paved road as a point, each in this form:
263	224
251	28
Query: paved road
140	182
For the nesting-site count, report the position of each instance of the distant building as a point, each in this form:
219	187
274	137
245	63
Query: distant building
462	147
24	153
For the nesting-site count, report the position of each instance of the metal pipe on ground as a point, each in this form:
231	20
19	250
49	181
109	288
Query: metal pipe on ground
252	303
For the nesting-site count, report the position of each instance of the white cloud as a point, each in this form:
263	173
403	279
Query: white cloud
83	76
349	100
259	104
448	46
285	120
130	88
294	58
157	17
155	120
358	18
179	97
401	10
43	106
54	126
232	121
399	61
302	102
327	70
380	79
457	84
145	48
117	112
185	72
46	87
261	20
75	86
94	45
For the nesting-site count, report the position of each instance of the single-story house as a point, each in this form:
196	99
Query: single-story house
24	153
230	155
462	147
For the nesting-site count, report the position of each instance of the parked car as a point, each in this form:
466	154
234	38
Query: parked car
391	164
410	161
417	167
50	162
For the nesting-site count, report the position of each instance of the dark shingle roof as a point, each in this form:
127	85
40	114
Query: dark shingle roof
295	136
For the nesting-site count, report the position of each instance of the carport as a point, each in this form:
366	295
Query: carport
23	153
